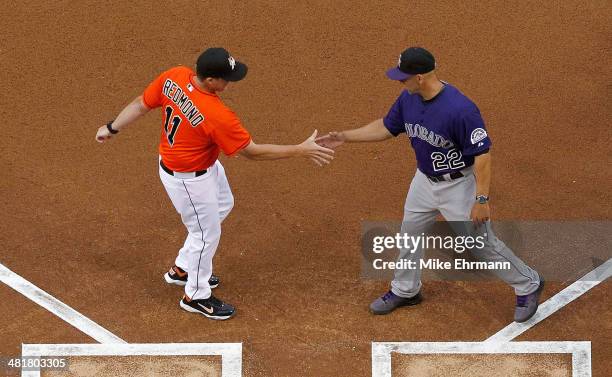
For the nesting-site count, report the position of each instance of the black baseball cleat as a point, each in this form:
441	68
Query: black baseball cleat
211	307
178	276
213	281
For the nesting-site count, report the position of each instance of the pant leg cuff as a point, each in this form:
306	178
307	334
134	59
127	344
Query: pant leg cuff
403	294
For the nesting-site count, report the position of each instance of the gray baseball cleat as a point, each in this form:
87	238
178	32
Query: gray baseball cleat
526	306
390	301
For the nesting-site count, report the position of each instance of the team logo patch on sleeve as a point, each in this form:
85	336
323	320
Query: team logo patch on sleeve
477	135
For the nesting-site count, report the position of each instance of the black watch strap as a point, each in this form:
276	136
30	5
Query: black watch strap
109	126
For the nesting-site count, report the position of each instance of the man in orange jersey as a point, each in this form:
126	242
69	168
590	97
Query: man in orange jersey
196	127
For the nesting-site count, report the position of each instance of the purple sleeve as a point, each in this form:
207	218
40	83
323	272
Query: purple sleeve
394	120
472	135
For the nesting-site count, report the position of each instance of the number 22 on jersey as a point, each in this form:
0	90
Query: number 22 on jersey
450	160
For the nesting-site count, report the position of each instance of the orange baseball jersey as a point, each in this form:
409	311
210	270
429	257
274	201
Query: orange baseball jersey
196	125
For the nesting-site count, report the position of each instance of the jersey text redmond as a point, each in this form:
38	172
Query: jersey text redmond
182	101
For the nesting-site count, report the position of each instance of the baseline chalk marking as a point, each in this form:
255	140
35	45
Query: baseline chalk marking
57	307
501	342
231	353
111	345
381	352
553	304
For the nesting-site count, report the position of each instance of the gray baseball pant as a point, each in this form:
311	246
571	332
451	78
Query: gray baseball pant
454	200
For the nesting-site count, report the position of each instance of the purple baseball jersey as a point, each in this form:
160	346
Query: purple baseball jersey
446	132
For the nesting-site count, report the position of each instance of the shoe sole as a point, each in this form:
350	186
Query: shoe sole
539	293
169	280
210	316
181	283
409	303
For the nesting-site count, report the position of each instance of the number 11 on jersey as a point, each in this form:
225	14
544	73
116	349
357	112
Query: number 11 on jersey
171	133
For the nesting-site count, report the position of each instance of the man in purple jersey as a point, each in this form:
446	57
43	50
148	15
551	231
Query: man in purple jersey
452	150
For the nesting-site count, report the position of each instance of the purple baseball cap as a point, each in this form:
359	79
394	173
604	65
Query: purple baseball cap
413	61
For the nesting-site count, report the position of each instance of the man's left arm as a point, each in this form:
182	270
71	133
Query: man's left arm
482	171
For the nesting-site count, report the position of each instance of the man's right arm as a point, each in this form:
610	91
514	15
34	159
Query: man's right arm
375	131
134	110
151	98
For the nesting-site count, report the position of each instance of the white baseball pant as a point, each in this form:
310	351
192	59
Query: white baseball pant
203	203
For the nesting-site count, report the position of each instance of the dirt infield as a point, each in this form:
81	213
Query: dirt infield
482	366
92	225
138	366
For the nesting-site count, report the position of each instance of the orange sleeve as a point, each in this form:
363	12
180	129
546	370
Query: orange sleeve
152	96
229	134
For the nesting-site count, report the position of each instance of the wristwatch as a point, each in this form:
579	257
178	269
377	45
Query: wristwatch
482	199
109	126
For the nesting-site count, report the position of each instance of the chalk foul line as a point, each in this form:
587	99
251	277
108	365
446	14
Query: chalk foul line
558	301
57	307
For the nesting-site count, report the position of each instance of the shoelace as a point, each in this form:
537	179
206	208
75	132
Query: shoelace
387	296
521	301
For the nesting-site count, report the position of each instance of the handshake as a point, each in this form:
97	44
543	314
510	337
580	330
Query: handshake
321	149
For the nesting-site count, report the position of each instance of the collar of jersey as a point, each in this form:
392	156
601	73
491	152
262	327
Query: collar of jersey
432	99
191	76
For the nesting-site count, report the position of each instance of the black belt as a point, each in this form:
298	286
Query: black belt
167	170
441	178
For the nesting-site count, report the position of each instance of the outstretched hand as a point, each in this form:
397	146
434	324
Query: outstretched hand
319	154
332	140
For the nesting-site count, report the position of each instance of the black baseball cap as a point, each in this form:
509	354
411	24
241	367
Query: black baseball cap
217	62
413	61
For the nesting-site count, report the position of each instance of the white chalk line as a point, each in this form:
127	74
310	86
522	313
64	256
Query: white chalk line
381	352
558	301
231	353
102	335
501	341
111	345
57	307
